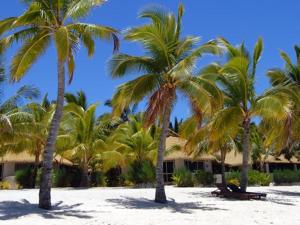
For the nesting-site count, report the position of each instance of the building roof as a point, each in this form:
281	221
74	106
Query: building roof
25	157
180	154
233	158
281	159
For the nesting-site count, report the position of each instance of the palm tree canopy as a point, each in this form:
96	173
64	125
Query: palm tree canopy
45	21
166	67
78	99
236	80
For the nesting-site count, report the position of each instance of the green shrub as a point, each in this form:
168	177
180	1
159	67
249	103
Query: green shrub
141	172
183	178
4	185
23	177
97	179
286	176
254	178
114	177
233	177
60	178
258	178
202	177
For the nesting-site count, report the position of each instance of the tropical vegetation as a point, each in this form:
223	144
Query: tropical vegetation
127	145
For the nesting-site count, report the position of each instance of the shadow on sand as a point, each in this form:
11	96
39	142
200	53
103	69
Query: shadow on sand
13	209
285	193
143	203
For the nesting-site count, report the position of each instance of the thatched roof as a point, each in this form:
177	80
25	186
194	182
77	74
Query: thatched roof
25	157
233	158
180	154
281	159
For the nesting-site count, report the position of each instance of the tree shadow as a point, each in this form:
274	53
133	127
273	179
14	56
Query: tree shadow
285	193
175	207
14	209
201	194
280	201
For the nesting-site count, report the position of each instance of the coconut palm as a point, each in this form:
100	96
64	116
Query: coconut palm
82	136
284	138
9	113
198	133
78	99
133	141
33	135
236	79
165	70
43	21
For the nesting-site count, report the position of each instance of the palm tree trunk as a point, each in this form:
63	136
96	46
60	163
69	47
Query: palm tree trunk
160	195
85	173
36	167
223	155
45	187
246	149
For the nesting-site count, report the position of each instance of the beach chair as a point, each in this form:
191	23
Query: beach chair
234	192
254	195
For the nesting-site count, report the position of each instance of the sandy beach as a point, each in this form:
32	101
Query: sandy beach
124	206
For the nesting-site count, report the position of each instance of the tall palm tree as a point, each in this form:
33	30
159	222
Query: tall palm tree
43	21
236	79
165	70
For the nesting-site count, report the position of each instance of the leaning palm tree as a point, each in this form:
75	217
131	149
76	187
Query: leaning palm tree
43	21
165	70
236	79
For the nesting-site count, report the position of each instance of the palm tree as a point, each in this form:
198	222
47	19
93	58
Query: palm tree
198	133
78	99
37	136
165	70
133	141
9	112
236	79
284	138
82	134
43	21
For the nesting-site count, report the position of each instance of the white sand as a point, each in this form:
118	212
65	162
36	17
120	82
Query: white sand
116	206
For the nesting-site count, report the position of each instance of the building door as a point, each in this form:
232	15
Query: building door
168	170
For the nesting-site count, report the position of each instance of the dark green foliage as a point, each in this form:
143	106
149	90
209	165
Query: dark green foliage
97	179
60	178
286	176
22	176
141	172
254	178
201	177
175	127
183	178
114	177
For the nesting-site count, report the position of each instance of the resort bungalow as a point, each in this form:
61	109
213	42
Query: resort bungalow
10	163
211	163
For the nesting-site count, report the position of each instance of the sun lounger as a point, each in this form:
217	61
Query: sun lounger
234	192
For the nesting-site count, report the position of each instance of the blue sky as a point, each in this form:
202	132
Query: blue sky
276	21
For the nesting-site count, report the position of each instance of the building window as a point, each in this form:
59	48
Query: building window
168	169
194	165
